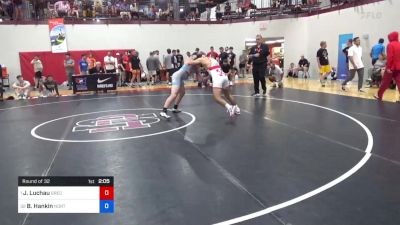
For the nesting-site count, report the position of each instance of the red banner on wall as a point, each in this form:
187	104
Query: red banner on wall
58	38
53	64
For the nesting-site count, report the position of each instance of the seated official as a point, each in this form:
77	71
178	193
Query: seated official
21	88
97	69
303	66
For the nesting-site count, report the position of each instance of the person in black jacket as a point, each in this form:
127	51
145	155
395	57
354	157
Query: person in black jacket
258	55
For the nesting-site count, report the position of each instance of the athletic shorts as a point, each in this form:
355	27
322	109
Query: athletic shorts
152	72
136	72
325	69
38	75
219	78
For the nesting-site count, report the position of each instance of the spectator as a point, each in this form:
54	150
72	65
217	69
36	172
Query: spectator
174	60
121	68
393	65
110	63
197	70
228	8
127	68
377	50
196	51
168	65
86	12
231	62
209	5
62	8
134	10
18	9
136	68
223	56
242	64
323	63
21	88
355	65
76	5
91	61
37	69
38	8
51	87
212	53
303	66
83	65
346	53
378	71
276	75
97	69
218	13
125	10
292	71
69	65
8	6
179	59
152	12
151	64
259	57
159	66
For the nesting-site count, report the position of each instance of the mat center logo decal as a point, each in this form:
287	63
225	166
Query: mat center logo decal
116	123
110	125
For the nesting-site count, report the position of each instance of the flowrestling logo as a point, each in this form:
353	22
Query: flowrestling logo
114	123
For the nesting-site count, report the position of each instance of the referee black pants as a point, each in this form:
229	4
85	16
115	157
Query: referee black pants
259	76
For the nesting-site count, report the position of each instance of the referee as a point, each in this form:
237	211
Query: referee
259	57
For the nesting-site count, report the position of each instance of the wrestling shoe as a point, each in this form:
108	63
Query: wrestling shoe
176	110
236	110
377	98
264	94
165	115
231	111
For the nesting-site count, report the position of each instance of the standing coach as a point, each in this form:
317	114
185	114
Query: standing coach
259	57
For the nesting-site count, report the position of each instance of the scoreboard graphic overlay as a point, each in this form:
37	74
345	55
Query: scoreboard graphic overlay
65	194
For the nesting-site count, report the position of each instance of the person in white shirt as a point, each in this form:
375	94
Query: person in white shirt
355	64
110	63
38	69
21	87
275	75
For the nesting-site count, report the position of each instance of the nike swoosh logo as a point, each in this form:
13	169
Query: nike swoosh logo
102	81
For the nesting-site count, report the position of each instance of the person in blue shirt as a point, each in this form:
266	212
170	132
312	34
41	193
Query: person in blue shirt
377	50
83	65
